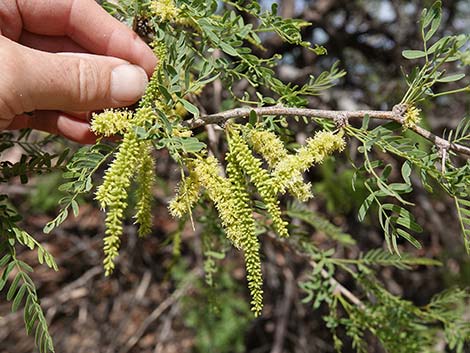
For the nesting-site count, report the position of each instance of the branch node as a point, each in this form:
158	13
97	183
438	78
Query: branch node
341	120
399	111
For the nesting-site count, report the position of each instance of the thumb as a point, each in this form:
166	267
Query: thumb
73	82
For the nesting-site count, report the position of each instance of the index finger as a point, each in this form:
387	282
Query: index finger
89	25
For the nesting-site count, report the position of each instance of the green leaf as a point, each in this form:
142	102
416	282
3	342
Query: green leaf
253	118
75	208
6	273
18	298
433	18
192	144
24	266
228	49
5	260
406	172
14	286
49	227
409	224
189	107
365	207
413	54
441	43
409	238
451	78
165	93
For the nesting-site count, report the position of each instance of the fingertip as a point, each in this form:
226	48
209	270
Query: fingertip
75	130
144	56
57	123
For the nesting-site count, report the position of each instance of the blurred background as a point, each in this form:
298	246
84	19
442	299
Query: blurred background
157	300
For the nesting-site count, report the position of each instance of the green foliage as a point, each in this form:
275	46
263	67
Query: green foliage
34	158
463	211
201	42
320	223
378	311
395	220
445	50
21	288
79	173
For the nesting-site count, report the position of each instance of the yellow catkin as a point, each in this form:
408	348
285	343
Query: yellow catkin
187	195
290	169
165	10
218	189
112	194
152	94
145	182
247	228
111	122
259	177
268	145
133	153
271	148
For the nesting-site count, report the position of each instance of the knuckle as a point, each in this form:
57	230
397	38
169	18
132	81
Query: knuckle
87	81
11	96
7	111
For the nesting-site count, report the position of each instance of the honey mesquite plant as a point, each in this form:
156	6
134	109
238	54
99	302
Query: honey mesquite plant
202	42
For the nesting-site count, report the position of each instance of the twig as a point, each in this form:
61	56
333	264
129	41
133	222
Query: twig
285	309
336	115
337	286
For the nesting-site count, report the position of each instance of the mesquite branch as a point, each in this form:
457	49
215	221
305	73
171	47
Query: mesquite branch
341	117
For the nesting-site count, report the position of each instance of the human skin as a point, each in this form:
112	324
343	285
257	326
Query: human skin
60	60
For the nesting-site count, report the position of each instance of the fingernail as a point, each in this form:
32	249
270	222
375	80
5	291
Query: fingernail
128	83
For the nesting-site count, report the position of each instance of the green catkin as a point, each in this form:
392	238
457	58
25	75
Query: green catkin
145	182
270	146
152	93
132	154
260	178
218	189
112	238
187	195
111	122
112	194
247	227
290	169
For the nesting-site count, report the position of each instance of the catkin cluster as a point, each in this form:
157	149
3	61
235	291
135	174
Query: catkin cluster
231	194
133	159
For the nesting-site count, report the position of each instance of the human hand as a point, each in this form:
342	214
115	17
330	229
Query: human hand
62	59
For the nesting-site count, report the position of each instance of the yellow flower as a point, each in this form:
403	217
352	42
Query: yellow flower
246	226
111	122
290	169
218	189
187	195
267	144
112	194
270	146
166	10
145	182
411	117
259	177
